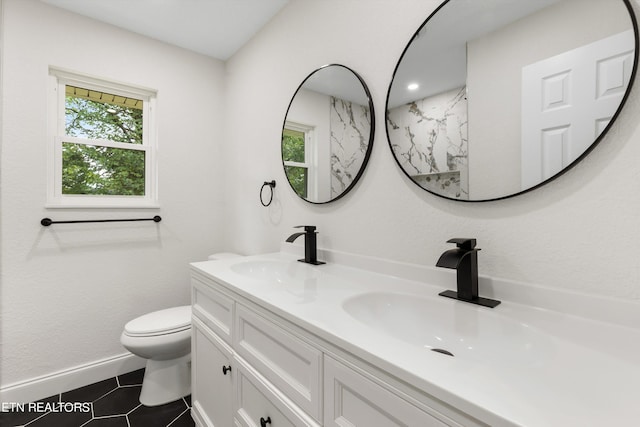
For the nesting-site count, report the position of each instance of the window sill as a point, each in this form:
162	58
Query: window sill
102	204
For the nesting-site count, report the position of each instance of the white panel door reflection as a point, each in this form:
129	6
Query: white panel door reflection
568	100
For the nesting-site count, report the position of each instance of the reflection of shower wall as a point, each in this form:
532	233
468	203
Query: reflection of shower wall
430	139
350	130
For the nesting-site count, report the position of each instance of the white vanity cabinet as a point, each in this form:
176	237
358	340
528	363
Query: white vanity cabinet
246	370
283	376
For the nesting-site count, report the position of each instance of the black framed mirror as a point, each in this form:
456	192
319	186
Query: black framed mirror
494	98
327	134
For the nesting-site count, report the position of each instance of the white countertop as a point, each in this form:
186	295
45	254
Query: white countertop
564	370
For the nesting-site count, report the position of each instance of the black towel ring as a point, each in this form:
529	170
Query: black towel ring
271	186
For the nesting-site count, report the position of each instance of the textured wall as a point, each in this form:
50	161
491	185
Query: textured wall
580	232
68	290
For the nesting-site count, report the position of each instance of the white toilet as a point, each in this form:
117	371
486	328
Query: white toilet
163	338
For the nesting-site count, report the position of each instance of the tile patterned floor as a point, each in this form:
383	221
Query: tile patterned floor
109	403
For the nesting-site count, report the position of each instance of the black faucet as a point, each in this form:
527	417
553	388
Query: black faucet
465	260
310	244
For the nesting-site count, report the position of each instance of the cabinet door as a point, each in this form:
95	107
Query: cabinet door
352	400
285	360
212	387
260	404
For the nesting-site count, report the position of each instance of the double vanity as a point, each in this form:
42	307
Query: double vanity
368	342
373	343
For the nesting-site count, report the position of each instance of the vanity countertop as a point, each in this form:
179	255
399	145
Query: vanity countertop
519	364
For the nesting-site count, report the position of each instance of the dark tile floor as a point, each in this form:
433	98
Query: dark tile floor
109	403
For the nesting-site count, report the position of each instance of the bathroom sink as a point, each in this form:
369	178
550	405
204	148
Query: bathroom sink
275	271
297	279
451	328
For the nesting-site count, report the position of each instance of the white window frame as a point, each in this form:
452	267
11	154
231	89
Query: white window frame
309	156
58	79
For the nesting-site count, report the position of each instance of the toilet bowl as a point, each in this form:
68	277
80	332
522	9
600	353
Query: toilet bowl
163	338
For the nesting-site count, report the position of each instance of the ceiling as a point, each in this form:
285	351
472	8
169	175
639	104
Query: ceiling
437	56
216	28
339	81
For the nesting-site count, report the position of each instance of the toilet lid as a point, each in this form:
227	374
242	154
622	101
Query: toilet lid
160	322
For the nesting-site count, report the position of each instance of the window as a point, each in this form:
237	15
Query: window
102	143
296	155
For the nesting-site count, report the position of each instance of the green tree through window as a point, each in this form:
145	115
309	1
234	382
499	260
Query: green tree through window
102	170
293	154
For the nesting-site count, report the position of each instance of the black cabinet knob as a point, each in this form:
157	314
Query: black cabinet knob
263	422
226	369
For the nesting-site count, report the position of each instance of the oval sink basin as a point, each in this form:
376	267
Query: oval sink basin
275	271
451	328
300	280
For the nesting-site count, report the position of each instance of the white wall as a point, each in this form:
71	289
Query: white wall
68	290
580	232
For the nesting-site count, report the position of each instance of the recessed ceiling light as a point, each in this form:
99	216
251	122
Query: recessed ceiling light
413	86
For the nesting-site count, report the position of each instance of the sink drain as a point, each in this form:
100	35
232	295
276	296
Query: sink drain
439	350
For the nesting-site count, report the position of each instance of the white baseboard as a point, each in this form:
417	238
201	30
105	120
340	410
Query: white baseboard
70	379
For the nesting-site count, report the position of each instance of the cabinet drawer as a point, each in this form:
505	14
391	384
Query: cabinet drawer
212	307
350	399
289	363
257	399
212	388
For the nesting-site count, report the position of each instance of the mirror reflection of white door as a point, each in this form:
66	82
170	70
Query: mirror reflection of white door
568	100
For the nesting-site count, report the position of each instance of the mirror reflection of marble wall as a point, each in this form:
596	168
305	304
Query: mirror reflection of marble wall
429	139
498	141
332	111
350	129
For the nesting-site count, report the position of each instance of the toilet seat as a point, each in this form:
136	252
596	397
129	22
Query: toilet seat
161	322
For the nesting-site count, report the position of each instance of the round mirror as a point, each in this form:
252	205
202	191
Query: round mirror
327	134
493	98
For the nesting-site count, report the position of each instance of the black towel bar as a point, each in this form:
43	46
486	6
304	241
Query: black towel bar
48	221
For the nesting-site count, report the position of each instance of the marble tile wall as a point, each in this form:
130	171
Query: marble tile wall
350	131
430	140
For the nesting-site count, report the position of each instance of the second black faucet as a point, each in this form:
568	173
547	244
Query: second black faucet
310	244
464	259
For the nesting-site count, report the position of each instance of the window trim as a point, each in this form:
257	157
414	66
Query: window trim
58	79
309	155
